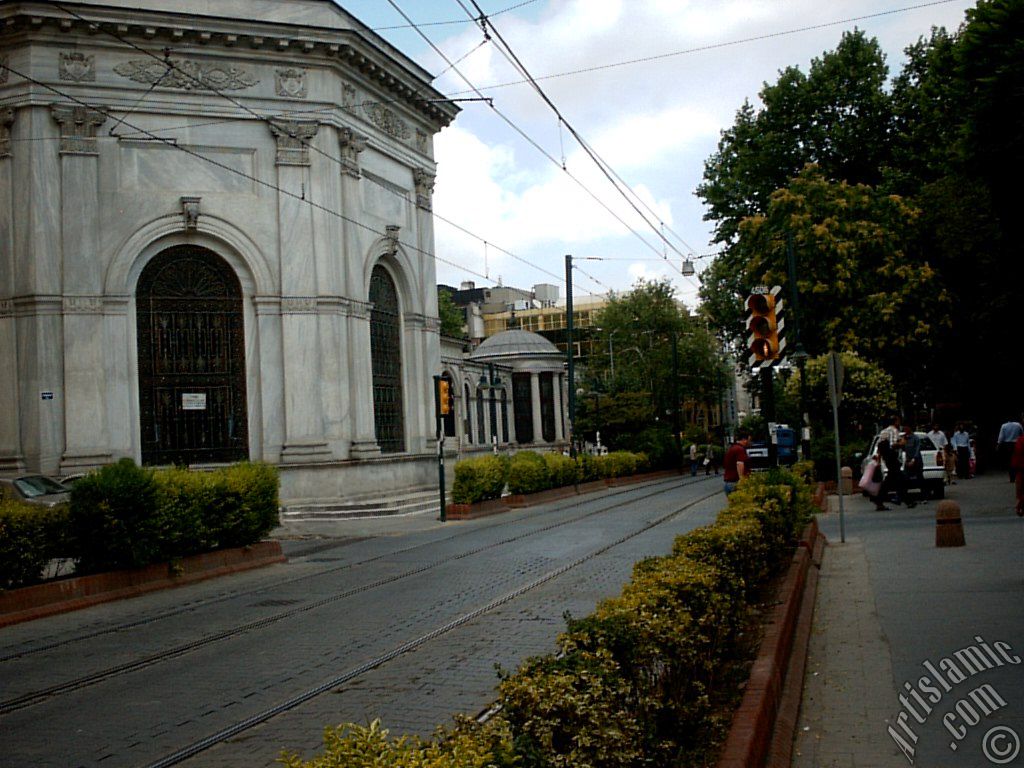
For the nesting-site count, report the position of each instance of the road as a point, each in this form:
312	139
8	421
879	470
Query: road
405	625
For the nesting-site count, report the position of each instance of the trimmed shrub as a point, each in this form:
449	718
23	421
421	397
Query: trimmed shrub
562	470
479	479
588	468
125	516
528	473
30	536
114	522
466	745
736	546
618	464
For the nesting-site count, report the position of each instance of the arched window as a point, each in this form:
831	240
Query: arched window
191	346
522	400
504	416
481	425
467	414
386	355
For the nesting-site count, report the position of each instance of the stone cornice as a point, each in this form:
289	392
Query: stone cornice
351	47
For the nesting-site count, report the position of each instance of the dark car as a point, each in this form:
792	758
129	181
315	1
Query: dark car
35	489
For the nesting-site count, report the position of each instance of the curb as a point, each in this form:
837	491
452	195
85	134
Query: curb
66	595
762	729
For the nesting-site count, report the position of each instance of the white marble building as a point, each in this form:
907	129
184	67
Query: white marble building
216	242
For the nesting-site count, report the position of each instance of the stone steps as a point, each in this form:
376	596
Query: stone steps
406	502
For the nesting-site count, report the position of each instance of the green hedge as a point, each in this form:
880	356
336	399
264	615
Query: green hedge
485	477
479	479
638	681
30	536
126	516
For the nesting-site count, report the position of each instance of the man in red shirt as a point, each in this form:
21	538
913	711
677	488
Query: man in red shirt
736	463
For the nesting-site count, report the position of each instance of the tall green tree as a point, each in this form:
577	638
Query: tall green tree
837	116
453	319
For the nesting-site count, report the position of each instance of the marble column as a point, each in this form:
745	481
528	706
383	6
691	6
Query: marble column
10	439
556	391
538	423
305	440
361	434
86	442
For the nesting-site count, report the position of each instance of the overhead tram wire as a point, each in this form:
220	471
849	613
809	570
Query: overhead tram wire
523	134
225	167
709	47
317	150
602	165
451	22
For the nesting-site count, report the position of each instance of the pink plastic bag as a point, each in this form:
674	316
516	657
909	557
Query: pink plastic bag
867	482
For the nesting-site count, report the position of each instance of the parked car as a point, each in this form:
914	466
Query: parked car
35	489
933	472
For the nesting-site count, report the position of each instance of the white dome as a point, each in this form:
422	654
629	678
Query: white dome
515	343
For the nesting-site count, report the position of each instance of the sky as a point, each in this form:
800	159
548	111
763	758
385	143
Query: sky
520	183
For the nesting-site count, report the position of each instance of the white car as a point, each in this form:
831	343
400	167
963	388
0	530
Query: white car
933	470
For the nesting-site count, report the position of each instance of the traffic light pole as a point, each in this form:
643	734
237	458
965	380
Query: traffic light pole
569	354
768	411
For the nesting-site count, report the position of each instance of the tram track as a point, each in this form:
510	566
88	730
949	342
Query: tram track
297	700
264	588
44	694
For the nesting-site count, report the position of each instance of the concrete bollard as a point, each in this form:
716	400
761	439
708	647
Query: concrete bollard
949	528
847	475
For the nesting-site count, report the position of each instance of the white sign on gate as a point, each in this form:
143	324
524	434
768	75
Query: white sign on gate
193	401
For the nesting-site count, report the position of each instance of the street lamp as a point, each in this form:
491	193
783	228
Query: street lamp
491	382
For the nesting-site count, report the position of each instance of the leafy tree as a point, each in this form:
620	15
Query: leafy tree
838	116
453	319
869	395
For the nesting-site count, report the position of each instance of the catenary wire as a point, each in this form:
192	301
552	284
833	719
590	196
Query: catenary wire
702	48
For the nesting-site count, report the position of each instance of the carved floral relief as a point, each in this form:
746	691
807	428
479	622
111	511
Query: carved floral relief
77	67
187	75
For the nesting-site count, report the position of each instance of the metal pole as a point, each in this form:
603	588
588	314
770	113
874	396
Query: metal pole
799	354
440	445
768	411
839	471
569	354
675	399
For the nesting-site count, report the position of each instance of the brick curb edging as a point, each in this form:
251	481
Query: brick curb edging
65	595
762	729
518	501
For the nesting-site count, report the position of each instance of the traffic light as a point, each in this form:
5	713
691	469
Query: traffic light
444	396
763	327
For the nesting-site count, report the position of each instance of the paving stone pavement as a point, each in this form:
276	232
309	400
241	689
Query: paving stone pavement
325	612
892	609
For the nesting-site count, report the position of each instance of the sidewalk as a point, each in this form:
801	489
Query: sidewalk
896	616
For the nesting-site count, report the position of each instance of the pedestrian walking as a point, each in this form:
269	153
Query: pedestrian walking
895	482
1017	464
938	438
736	464
913	465
693	459
710	460
1008	434
961	443
892	432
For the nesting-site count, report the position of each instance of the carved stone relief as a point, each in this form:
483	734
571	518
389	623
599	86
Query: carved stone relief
348	96
293	140
6	121
291	83
351	144
190	211
78	126
83	305
424	187
386	120
391	239
298	305
77	67
187	75
422	141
